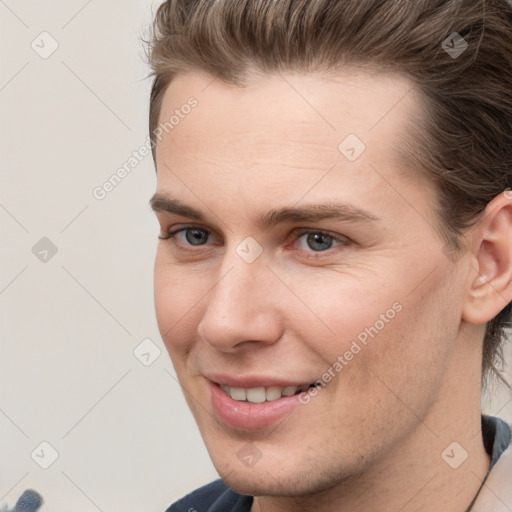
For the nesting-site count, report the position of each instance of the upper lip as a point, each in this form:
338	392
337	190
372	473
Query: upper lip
255	381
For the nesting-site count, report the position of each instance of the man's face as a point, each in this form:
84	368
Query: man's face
309	261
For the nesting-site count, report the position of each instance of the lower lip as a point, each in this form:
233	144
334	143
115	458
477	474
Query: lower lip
251	416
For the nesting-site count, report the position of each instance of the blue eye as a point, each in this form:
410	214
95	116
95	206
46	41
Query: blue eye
192	236
196	236
317	241
307	241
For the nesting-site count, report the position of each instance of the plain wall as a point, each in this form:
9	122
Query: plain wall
70	322
69	326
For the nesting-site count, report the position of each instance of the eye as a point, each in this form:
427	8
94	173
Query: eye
318	241
189	236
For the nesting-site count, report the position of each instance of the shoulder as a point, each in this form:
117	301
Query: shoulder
214	497
29	501
496	491
497	437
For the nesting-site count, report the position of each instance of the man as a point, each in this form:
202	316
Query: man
334	270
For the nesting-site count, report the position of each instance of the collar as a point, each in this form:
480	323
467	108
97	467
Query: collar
496	491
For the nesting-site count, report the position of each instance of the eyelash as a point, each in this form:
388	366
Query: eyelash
339	239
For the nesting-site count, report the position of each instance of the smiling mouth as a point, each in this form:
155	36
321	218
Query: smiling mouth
262	394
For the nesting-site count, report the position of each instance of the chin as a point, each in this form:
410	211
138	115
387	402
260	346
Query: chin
261	483
281	480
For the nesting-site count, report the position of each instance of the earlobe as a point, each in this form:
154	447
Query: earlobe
490	289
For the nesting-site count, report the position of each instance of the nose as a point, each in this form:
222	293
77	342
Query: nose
242	308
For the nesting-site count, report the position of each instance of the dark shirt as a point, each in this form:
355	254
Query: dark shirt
218	497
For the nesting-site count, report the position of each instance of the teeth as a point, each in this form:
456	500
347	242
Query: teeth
256	395
273	393
239	394
289	390
260	395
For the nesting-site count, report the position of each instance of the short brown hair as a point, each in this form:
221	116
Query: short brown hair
465	142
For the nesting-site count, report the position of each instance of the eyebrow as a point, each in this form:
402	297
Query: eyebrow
160	203
307	213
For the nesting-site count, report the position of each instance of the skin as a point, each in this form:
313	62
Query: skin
372	439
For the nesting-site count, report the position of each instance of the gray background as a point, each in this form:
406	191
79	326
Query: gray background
70	321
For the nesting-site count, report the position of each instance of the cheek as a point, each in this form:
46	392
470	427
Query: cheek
177	303
377	327
407	358
344	314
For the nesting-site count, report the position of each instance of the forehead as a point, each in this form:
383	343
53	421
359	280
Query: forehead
308	114
279	129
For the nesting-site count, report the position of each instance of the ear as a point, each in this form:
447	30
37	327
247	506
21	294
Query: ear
490	286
